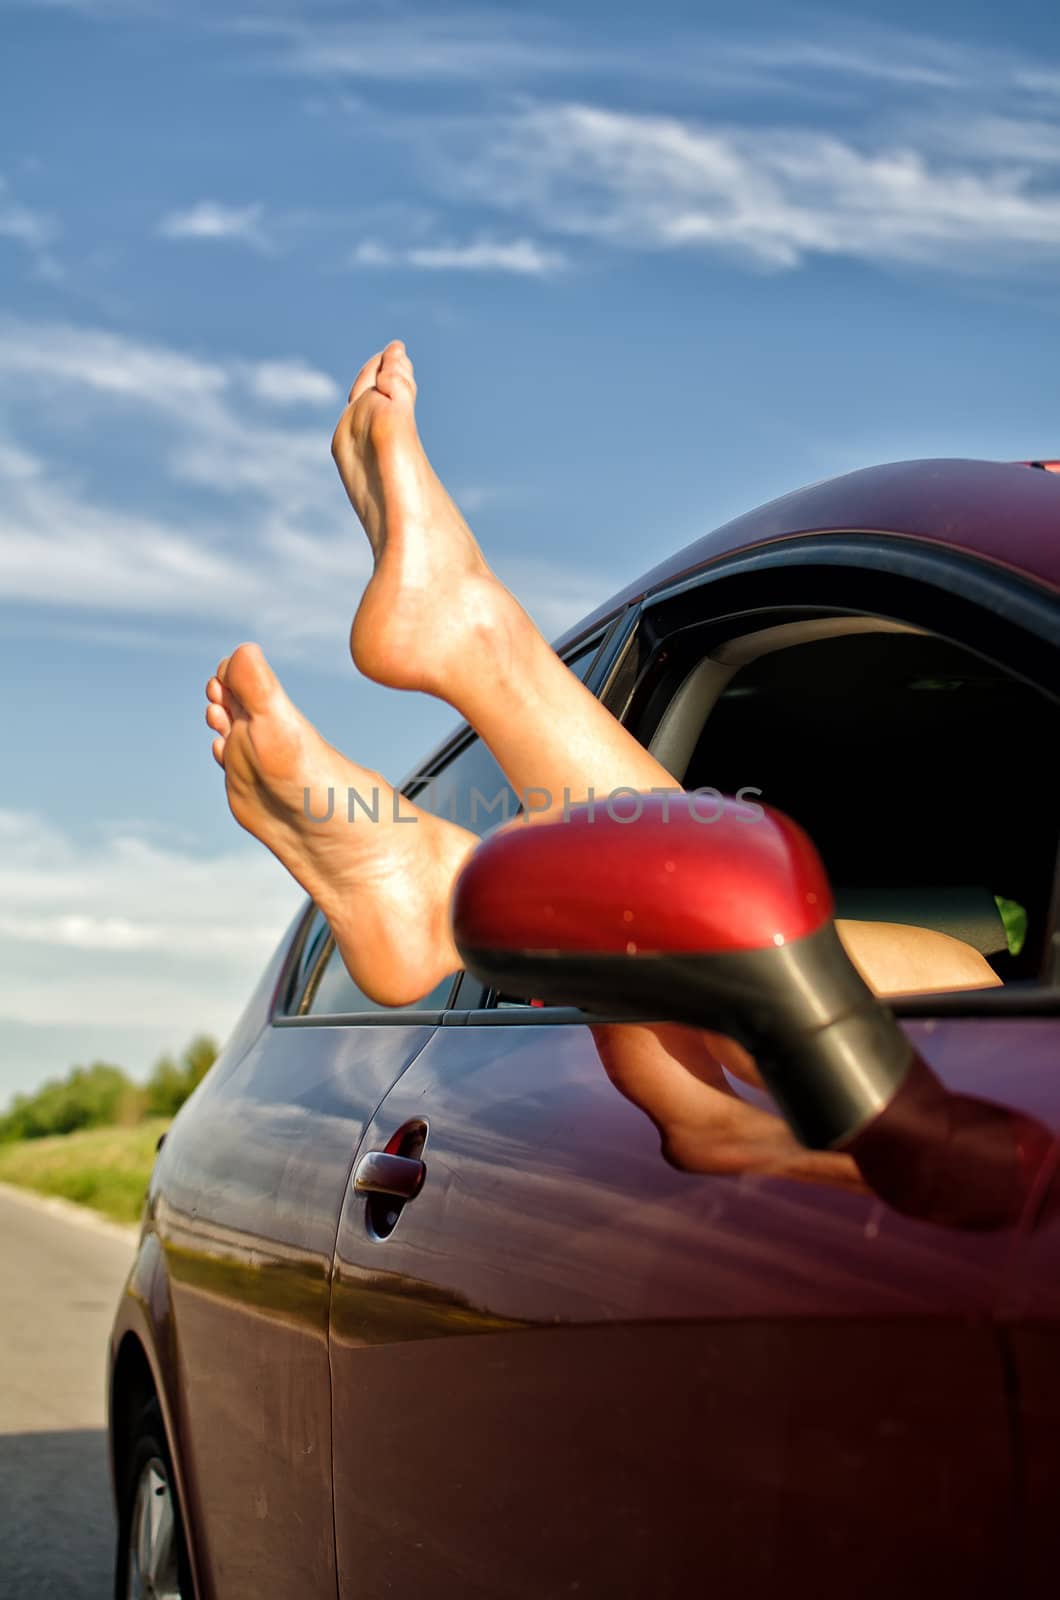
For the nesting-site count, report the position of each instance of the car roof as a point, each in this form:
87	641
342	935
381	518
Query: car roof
1004	512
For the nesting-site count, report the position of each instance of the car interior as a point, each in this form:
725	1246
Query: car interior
923	772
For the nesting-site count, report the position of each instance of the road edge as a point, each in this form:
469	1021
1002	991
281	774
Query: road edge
70	1211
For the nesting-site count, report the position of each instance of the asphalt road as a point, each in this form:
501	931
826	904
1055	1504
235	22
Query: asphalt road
60	1276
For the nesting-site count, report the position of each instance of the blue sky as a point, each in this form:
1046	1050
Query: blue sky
655	265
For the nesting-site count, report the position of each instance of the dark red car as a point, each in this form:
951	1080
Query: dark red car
421	1308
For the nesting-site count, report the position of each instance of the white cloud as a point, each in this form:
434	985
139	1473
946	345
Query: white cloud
210	220
278	550
188	927
22	225
370	253
1038	81
829	59
883	55
523	257
33	230
775	196
279	556
58	355
291	383
421	45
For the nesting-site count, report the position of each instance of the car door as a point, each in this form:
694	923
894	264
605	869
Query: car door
1031	1326
248	1196
571	1368
566	1367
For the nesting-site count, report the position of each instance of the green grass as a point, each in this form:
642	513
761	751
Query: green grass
106	1168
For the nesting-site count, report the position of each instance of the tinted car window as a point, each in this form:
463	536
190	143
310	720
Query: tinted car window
335	993
581	662
312	941
470	790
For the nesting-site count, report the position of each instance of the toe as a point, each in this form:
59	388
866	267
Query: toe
365	379
251	680
222	669
218	749
218	719
215	691
395	378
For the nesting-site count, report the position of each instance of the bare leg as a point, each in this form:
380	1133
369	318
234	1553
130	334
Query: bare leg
434	617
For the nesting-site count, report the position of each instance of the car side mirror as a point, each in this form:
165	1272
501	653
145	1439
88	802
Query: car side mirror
713	913
721	917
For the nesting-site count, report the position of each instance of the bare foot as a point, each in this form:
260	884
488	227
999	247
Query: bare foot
383	885
432	609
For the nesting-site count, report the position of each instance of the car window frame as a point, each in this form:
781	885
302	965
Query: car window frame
949	589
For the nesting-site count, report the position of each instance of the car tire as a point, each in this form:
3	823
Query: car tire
152	1559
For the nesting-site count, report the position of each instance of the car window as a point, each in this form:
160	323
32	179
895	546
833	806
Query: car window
923	773
310	943
470	790
334	993
581	662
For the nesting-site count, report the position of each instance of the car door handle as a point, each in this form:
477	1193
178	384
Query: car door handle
379	1173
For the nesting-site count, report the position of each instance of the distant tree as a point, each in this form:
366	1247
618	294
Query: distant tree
95	1096
88	1097
171	1082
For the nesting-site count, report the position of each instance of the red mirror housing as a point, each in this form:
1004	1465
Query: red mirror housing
686	908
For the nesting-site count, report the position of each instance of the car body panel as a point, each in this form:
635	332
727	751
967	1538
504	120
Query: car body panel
520	1352
246	1200
1031	1317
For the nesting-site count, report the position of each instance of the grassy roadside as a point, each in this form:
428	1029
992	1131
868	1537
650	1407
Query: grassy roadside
106	1168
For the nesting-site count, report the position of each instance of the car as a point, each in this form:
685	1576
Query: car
421	1307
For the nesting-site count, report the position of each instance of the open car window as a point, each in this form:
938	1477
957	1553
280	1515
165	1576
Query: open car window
923	773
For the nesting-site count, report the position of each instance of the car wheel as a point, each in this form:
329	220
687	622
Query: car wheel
152	1551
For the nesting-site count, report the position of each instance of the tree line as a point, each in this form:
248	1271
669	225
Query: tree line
103	1095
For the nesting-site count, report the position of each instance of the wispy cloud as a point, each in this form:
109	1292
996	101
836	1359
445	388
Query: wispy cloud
490	47
860	50
775	196
53	355
191	930
204	425
272	549
414	45
210	220
291	383
522	256
35	231
795	161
